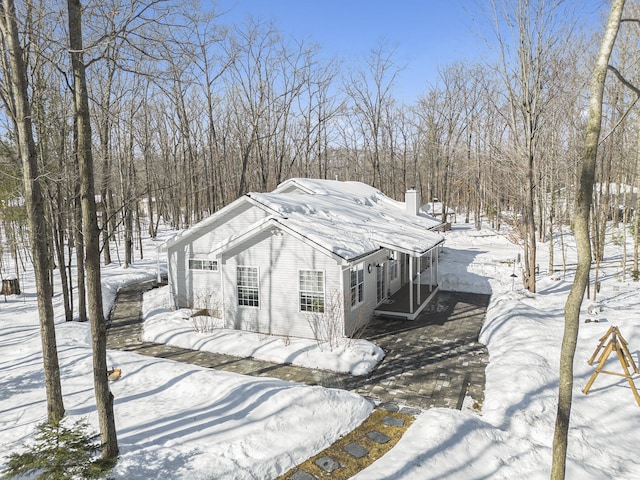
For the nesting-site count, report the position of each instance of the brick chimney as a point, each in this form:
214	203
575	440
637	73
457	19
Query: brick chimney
412	201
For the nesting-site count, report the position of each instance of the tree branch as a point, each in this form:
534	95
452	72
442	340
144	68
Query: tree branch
623	80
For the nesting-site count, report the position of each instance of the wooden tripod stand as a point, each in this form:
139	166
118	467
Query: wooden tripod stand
618	344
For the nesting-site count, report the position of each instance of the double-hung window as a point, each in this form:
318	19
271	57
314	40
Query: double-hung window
393	266
311	284
357	285
381	273
248	288
203	264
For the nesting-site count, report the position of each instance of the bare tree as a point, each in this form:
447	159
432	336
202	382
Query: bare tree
371	92
527	63
16	98
581	231
104	397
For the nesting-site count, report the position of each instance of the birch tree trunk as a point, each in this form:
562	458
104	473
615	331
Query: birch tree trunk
21	111
104	397
581	229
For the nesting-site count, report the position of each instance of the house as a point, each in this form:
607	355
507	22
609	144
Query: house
435	208
312	258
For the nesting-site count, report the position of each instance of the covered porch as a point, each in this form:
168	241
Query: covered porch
405	303
420	285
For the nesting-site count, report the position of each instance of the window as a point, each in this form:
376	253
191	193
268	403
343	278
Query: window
393	265
381	273
357	285
201	264
248	292
311	291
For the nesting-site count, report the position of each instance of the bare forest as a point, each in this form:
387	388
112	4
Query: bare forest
187	112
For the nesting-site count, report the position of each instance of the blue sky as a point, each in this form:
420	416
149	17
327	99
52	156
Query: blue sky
428	34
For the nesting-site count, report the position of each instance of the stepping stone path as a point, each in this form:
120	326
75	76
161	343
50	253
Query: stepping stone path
358	449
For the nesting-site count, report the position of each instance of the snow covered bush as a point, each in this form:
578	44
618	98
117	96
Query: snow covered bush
60	453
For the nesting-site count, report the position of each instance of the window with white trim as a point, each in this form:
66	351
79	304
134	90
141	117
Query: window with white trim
357	285
393	266
203	264
381	273
248	289
311	284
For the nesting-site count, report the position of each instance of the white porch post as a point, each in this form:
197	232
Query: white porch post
431	270
418	274
410	283
158	276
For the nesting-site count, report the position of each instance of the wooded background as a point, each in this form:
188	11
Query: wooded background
189	112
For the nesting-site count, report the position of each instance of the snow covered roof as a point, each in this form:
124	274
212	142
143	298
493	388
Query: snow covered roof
357	192
435	208
349	219
345	219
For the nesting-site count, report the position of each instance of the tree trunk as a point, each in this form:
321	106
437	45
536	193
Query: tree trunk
58	236
104	397
35	208
581	230
636	215
79	243
530	226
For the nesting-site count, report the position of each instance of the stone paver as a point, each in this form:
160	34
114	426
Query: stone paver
356	450
393	421
378	437
430	362
327	464
302	475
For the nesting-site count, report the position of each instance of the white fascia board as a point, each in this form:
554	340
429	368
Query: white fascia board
409	251
235	240
296	183
203	223
265	224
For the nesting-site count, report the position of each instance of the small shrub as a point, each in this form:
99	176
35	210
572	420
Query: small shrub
203	323
327	323
60	453
635	274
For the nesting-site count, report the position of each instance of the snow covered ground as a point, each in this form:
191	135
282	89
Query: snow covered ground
179	421
174	421
183	329
512	437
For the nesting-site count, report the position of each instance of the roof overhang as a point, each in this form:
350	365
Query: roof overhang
185	234
271	223
414	252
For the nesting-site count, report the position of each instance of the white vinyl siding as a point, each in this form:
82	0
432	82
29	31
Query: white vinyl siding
248	287
279	259
188	285
356	317
311	283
